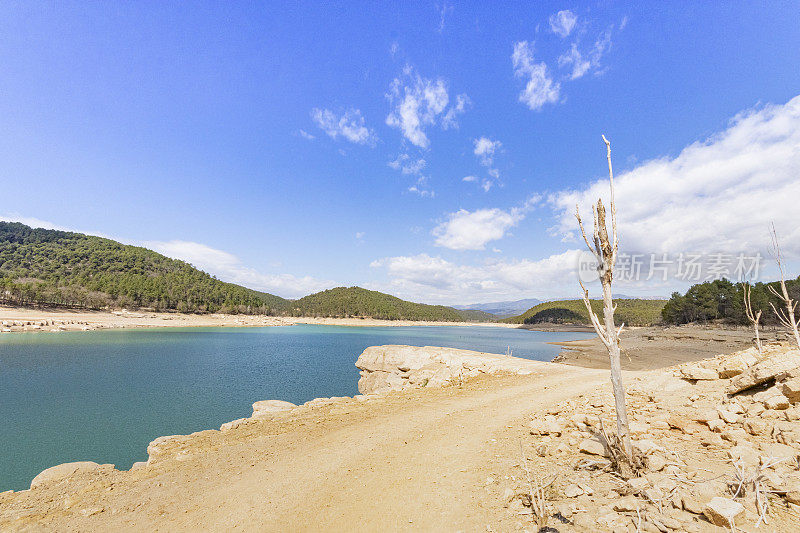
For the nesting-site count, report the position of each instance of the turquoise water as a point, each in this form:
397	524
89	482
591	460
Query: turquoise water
104	395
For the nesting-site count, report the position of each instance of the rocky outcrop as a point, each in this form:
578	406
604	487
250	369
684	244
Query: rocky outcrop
397	367
64	471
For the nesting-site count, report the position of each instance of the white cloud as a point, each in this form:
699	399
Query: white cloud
304	134
470	178
421	189
582	63
485	149
228	267
419	102
350	125
411	166
715	196
433	279
408	165
540	89
472	230
563	22
449	119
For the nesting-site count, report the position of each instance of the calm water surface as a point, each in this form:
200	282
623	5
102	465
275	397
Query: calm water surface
104	395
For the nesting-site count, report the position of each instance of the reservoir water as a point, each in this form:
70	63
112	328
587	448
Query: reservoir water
104	395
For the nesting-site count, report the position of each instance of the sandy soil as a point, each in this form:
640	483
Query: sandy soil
406	461
659	347
19	319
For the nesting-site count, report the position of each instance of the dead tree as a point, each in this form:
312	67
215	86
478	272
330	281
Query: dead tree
605	253
754	318
785	316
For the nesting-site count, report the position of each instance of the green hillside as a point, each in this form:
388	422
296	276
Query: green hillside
358	302
633	312
65	269
61	268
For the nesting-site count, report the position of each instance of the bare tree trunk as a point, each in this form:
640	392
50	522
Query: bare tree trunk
616	371
754	318
605	252
787	316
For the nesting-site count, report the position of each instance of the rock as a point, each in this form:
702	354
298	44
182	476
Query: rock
637	428
692	505
791	389
395	367
765	370
766	394
592	447
793	497
233	424
744	454
754	426
774	451
549	426
722	511
573	491
697	373
626	504
735	436
728	416
139	464
268	407
158	446
655	462
63	471
638	484
380	382
716	425
778	402
645	446
704	416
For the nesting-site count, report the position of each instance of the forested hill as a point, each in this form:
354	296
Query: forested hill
355	301
49	267
633	312
65	269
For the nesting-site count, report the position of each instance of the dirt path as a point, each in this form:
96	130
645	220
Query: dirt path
413	461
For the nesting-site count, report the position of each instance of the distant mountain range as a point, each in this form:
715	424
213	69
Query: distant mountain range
502	309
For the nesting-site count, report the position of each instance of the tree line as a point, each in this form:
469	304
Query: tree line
723	300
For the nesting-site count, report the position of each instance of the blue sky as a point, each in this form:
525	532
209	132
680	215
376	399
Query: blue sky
431	150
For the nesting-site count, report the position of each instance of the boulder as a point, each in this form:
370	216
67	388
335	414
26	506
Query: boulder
379	382
268	407
778	402
592	447
791	389
627	504
728	416
63	471
698	373
395	367
765	370
722	511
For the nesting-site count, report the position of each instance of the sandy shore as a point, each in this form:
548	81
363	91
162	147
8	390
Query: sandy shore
20	319
658	347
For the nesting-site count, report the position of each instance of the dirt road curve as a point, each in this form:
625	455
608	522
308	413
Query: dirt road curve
413	461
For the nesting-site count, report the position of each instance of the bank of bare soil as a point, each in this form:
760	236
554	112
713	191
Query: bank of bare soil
649	348
24	319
